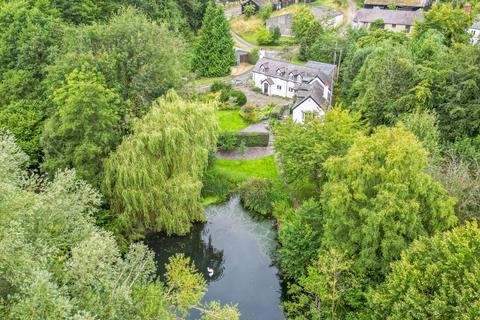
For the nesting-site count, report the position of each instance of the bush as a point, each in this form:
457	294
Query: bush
216	184
254	56
263	36
266	11
276	34
257	195
253	139
240	99
227	141
220	85
225	95
250	113
249	10
277	112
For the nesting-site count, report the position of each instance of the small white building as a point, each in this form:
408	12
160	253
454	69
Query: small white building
310	103
474	30
394	20
310	84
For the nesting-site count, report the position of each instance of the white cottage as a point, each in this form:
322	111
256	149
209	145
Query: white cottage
311	84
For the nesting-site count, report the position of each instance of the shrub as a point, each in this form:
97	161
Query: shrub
276	34
253	139
266	11
277	112
263	36
254	56
257	195
240	99
249	10
219	85
250	113
216	184
225	95
227	141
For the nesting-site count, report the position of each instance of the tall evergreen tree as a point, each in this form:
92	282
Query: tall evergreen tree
154	178
214	54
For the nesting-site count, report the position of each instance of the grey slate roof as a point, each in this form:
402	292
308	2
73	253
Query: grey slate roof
401	3
400	17
323	12
273	65
313	91
328	69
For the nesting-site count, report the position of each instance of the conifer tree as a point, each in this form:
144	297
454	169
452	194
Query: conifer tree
214	54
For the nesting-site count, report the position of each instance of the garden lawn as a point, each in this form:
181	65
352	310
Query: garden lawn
230	120
241	170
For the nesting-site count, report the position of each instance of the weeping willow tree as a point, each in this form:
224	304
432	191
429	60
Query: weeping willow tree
153	180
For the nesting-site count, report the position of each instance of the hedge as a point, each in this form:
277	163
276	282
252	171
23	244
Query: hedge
229	140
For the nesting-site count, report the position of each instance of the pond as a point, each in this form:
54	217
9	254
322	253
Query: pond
239	249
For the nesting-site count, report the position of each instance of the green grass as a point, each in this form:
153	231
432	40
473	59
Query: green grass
230	120
202	81
241	170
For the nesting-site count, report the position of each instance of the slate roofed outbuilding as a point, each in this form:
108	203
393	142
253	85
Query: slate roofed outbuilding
399	17
400	3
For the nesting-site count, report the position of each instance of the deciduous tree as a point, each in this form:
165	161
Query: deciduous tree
153	180
85	126
378	199
437	277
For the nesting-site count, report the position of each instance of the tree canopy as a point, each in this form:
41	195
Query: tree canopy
437	277
378	199
214	54
153	180
56	264
85	126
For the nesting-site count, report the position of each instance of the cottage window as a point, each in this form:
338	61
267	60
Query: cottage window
394	26
262	68
279	87
290	89
299	78
290	76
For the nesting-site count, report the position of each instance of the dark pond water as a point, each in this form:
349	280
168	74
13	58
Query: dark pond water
238	248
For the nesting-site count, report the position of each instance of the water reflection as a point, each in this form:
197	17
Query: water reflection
197	245
238	248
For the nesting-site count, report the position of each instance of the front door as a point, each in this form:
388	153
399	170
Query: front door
265	88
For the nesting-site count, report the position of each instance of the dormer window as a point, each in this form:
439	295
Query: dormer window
299	78
262	67
290	76
279	72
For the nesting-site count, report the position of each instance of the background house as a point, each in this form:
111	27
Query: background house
329	17
409	5
394	20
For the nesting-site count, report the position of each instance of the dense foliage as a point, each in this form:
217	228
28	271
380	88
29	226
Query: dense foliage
437	277
153	180
214	54
303	149
56	264
85	126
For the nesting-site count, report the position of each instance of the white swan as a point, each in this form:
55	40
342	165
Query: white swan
210	272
